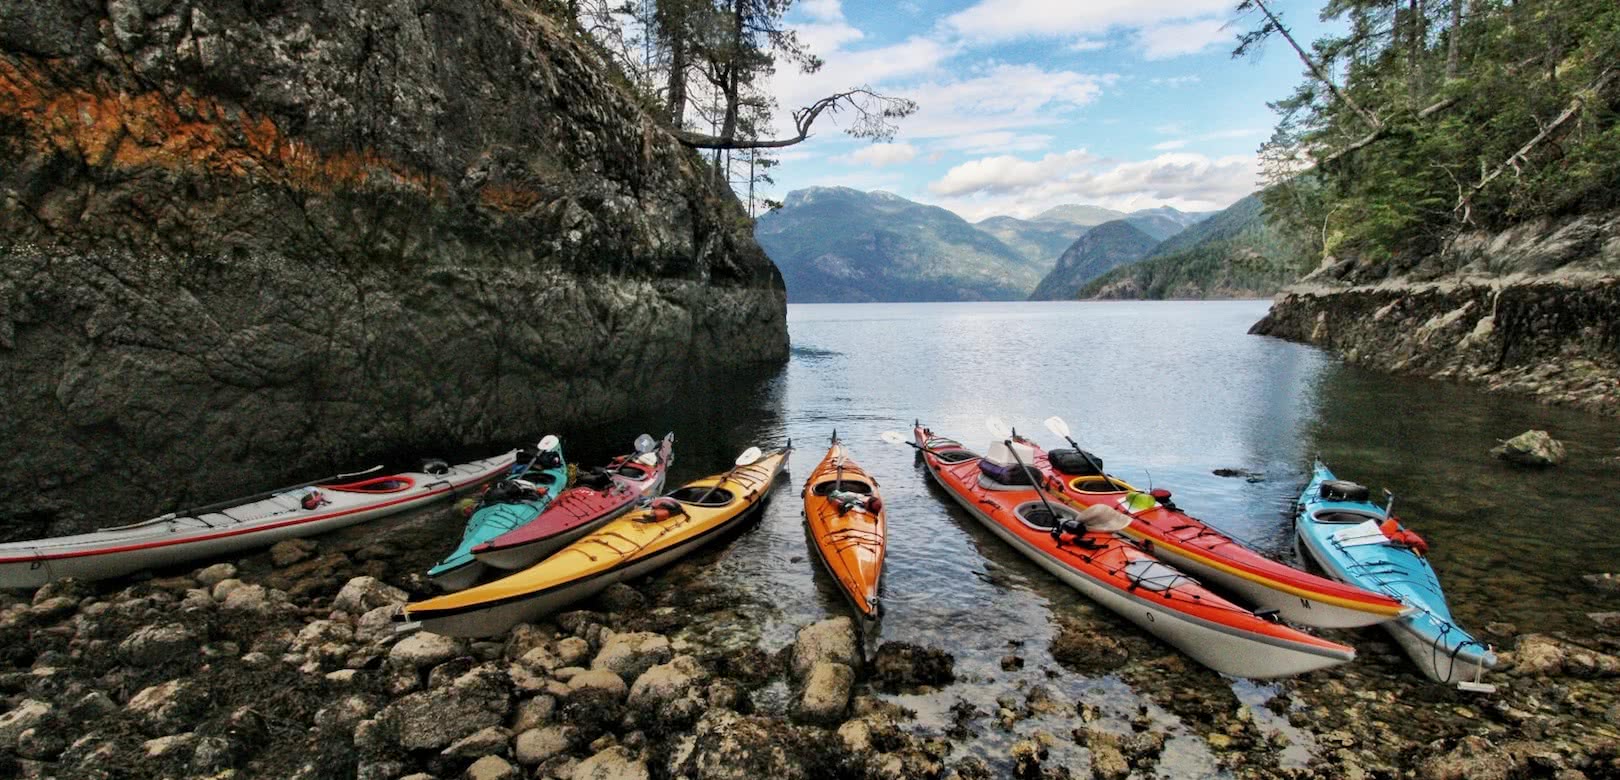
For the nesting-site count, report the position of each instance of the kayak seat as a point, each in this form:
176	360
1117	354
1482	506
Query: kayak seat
1036	515
695	496
1349	518
632	471
954	456
848	486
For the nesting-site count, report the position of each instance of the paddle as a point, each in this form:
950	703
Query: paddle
894	437
1000	428
748	457
228	503
838	466
1056	425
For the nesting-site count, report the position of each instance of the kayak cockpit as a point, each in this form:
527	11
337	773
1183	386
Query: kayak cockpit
1344	517
1036	515
703	496
1098	484
397	483
841	486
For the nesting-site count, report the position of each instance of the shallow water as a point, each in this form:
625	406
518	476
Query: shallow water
1165	393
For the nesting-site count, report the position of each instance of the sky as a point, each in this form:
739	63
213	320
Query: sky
1026	104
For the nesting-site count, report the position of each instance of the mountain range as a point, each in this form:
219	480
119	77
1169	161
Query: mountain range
836	244
1102	249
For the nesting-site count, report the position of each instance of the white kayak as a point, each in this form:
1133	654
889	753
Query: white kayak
232	526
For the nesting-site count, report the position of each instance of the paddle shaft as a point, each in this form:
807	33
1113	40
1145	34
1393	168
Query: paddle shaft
1094	464
227	504
1034	481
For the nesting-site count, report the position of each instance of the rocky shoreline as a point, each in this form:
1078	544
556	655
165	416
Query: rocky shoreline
287	663
1533	311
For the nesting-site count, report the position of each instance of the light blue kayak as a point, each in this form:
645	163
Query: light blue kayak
507	505
1339	528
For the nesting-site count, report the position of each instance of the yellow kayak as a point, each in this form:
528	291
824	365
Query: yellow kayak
638	542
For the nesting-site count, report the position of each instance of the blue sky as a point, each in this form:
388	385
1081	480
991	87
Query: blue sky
1026	104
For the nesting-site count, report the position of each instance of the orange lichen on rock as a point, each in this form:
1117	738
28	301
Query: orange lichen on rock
511	200
188	133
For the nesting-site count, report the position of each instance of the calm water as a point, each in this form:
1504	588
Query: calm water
1165	392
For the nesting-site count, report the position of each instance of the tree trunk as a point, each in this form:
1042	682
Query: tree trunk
733	87
677	78
1453	39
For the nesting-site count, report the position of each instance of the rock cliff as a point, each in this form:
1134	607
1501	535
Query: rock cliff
1533	310
245	241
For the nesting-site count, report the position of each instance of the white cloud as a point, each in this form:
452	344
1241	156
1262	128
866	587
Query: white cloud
994	141
1005	173
1000	99
1163	41
1088	44
1175	81
998	20
822	10
1168	145
879	155
1219	135
1010	185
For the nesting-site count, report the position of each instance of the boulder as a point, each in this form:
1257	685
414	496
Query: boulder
209	576
290	551
620	597
537	745
598	679
828	640
375	625
1087	650
162	708
163	748
26	715
900	665
572	651
1602	583
1607	622
1474	758
727	746
1531	448
153	645
492	768
826	693
423	650
630	654
533	713
664	683
614	763
484	742
363	594
255	599
54	608
438	717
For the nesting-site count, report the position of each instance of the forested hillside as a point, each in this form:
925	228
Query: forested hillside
1234	254
1425	119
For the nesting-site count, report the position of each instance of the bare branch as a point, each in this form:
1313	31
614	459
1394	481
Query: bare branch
1383	131
1273	23
1521	157
874	115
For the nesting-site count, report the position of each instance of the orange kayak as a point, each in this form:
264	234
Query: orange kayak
847	523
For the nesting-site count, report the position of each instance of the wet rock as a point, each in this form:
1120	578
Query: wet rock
1531	448
620	597
537	745
162	708
1243	473
1538	654
345	713
484	742
1607	622
222	589
1027	755
363	594
969	768
1086	650
727	746
492	768
290	551
533	713
151	646
1474	758
828	640
437	717
826	693
899	665
1602	583
1108	759
572	651
525	637
422	650
169	747
630	654
26	715
255	599
53	609
669	693
210	576
598	679
1011	663
376	625
614	763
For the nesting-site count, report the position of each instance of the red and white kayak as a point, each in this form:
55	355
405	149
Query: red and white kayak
583	508
232	526
1189	544
1116	574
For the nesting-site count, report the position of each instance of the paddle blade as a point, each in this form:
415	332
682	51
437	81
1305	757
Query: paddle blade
749	456
892	437
998	427
550	442
1056	425
645	443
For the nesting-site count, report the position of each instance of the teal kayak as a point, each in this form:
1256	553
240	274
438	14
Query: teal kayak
1345	534
507	505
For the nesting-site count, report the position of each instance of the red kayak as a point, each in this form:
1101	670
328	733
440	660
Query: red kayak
1192	546
1081	549
594	499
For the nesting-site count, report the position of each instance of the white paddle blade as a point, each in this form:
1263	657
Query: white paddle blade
749	456
892	437
998	427
550	442
645	443
1056	425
